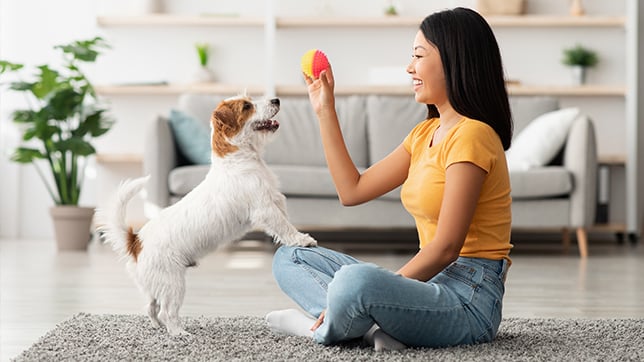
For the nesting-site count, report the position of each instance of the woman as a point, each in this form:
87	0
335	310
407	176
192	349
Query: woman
456	186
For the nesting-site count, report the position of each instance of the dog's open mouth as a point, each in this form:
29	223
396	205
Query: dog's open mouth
266	125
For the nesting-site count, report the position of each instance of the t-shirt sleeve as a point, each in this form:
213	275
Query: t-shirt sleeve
476	143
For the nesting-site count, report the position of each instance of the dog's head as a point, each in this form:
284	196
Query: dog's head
239	123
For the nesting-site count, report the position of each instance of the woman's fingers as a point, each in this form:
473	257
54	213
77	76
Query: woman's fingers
318	322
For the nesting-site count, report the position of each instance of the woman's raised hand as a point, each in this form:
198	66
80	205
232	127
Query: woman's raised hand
321	91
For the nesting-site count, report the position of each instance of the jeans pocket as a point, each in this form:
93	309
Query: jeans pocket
466	278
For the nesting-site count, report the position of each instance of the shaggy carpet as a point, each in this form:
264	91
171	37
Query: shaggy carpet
87	337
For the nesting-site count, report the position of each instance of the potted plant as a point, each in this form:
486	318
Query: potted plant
580	59
203	74
58	127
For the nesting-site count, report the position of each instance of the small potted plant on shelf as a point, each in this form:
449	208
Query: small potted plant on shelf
203	73
580	59
63	118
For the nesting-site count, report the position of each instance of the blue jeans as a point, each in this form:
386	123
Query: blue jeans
460	305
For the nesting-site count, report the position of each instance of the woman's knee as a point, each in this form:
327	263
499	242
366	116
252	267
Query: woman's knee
354	281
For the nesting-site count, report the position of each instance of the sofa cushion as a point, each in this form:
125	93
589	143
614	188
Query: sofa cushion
298	141
525	109
390	119
541	182
185	178
540	141
192	137
304	180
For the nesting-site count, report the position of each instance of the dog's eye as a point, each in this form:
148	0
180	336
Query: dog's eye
247	106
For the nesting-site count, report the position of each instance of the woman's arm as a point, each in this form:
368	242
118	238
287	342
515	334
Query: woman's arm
463	183
352	187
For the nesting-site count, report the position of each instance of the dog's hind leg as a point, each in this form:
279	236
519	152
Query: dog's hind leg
171	300
153	312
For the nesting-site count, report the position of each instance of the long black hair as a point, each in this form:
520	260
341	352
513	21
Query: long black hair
473	68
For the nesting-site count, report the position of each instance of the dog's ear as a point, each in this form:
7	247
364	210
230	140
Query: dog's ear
224	126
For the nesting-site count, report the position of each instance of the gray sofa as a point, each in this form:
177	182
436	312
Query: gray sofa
561	195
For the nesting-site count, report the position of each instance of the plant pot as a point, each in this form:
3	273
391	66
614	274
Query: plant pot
72	226
578	74
203	75
500	7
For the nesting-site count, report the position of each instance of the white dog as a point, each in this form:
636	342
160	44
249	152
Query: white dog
239	194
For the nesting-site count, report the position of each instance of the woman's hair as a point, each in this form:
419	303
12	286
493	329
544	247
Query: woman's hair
473	68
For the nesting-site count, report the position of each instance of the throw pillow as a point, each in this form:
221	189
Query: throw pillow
540	141
192	137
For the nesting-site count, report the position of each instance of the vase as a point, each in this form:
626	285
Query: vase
72	226
577	8
578	75
203	75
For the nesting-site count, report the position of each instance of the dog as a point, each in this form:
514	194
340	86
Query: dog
239	194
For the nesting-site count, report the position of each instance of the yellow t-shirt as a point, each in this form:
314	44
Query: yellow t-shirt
422	193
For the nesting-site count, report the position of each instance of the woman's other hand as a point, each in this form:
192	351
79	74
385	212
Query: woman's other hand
319	322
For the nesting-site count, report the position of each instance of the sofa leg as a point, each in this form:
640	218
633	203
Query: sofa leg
582	242
565	238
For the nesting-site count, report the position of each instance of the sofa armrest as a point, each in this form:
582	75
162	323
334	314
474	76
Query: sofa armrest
580	158
159	158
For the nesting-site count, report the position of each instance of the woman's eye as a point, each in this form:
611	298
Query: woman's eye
416	56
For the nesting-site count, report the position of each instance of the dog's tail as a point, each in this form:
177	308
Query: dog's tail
111	223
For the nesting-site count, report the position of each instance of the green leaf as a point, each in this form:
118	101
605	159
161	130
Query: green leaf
64	104
26	155
47	82
95	124
24	116
6	66
76	145
84	50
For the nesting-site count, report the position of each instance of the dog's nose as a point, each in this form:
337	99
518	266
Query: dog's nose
275	101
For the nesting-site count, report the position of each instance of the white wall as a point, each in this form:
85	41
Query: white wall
29	29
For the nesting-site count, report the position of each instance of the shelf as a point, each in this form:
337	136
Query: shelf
288	90
353	22
557	90
108	158
612	160
495	21
179	20
175	89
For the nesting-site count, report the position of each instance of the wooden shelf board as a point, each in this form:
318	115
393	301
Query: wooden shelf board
180	20
584	90
494	21
175	89
108	158
556	21
612	160
348	21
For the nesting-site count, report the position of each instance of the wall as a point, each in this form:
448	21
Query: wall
29	29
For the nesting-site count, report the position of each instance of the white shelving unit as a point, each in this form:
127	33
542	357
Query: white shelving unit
273	24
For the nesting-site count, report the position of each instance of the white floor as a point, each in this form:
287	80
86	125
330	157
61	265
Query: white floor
40	287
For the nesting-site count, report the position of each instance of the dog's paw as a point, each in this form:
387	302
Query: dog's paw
304	240
177	332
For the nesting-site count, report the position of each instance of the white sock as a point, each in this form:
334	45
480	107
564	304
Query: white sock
290	321
381	341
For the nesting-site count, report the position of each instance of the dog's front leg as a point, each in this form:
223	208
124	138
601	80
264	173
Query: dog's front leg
273	220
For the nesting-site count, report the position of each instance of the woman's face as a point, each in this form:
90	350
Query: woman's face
426	70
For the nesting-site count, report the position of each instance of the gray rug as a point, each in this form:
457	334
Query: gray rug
87	337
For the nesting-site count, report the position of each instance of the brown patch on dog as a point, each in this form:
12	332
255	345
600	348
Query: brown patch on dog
227	120
134	245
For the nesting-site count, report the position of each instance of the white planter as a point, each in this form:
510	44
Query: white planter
578	74
203	75
72	227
